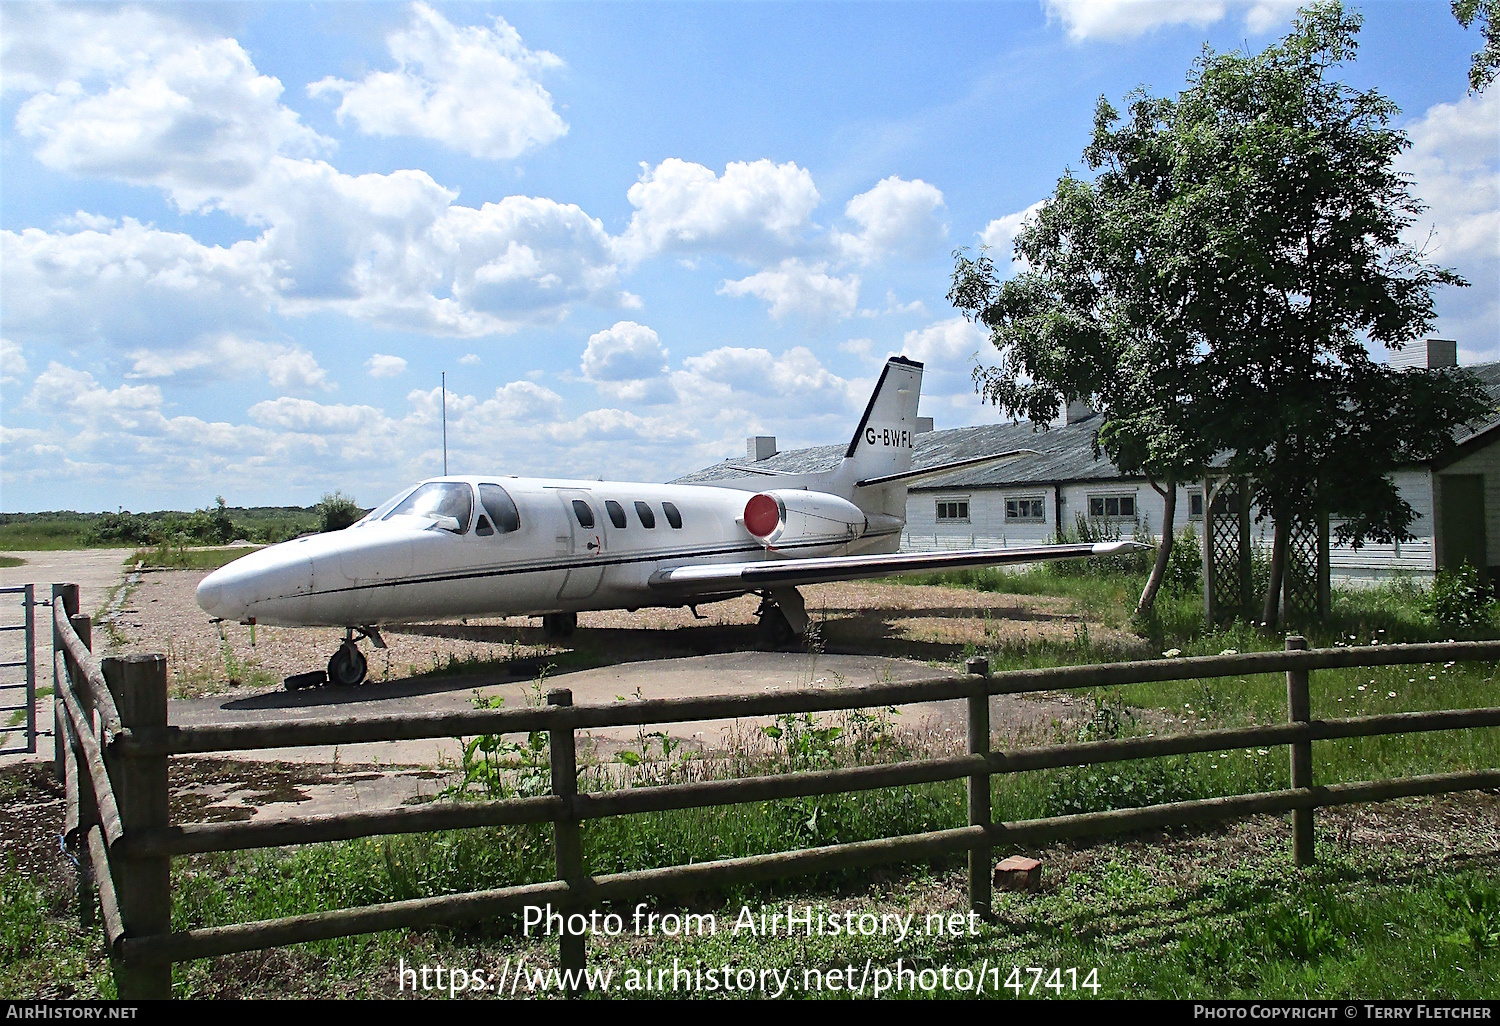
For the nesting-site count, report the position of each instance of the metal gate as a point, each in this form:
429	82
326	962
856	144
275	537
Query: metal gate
18	697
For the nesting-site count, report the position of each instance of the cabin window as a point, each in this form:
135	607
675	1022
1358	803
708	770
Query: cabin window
616	513
439	499
1029	508
953	511
648	518
584	513
501	508
673	517
1112	507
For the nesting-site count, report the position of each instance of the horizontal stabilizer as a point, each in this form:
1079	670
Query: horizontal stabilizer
911	477
718	576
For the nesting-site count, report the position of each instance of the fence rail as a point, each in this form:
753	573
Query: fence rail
118	744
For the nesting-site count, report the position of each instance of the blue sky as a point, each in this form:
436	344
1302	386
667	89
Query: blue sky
239	243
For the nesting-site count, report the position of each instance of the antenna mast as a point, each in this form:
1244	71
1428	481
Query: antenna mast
445	423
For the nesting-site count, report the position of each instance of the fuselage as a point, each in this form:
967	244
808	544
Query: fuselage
477	546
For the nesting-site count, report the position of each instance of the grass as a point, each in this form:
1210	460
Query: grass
179	557
9	561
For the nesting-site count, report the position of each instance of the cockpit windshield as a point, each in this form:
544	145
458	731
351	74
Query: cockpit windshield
379	512
439	499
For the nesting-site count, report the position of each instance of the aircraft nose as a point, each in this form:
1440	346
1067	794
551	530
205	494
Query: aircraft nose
210	595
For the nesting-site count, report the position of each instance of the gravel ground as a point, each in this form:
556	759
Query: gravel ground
928	624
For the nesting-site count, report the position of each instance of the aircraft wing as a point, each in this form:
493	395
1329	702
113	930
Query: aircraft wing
767	573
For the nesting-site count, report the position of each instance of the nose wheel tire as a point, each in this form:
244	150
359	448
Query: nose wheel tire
347	667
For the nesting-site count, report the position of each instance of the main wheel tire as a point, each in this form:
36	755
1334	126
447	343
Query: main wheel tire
347	667
775	628
559	625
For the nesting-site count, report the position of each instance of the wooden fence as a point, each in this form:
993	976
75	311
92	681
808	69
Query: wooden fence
118	743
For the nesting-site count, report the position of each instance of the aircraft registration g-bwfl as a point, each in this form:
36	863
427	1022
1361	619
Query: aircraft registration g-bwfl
502	546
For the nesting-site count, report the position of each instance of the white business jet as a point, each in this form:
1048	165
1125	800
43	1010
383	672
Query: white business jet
492	545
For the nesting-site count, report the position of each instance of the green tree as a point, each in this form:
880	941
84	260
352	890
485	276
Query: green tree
337	511
1218	284
1486	61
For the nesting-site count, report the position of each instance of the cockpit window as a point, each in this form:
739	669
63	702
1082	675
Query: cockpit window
379	512
439	499
501	508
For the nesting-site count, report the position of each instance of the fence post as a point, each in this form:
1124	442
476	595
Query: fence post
67	594
143	883
980	858
1299	710
30	669
566	839
88	809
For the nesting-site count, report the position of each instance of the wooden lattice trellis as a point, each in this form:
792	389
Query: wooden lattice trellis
1228	588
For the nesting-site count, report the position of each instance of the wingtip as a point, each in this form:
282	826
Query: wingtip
1113	548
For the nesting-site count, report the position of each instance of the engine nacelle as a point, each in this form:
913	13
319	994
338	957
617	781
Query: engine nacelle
793	516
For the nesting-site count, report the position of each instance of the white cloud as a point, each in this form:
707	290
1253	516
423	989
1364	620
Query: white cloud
999	236
751	210
896	216
628	363
954	341
133	284
12	363
291	414
473	89
1126	19
189	115
794	377
795	287
1454	161
193	117
469	359
228	356
382	366
624	352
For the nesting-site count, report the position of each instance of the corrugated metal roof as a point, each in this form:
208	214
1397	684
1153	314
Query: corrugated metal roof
1066	452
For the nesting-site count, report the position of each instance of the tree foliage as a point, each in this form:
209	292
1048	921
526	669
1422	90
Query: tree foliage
1486	61
337	511
1216	288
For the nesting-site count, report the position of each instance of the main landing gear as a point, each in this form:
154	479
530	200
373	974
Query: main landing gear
783	617
559	625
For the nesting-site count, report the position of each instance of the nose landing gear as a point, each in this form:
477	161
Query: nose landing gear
347	667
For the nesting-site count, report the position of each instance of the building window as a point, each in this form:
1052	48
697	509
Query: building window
1028	508
1112	507
953	511
1195	505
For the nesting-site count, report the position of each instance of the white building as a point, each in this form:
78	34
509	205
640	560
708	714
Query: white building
1022	501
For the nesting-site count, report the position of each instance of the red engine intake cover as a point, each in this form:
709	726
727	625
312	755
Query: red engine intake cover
762	515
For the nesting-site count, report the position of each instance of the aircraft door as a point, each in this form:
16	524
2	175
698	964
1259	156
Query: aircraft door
587	543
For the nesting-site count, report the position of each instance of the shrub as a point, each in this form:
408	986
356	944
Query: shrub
337	511
1457	601
1185	566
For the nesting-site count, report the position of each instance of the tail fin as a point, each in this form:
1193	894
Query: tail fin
882	444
